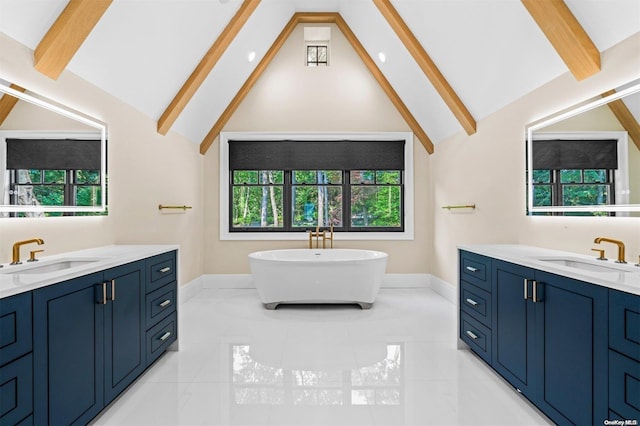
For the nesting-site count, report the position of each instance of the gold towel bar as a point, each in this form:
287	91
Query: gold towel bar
468	206
161	207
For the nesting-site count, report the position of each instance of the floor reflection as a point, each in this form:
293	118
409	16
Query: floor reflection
255	383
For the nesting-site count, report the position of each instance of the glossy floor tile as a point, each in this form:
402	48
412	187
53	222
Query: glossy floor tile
394	365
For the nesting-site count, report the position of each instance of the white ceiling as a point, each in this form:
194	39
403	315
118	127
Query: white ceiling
490	51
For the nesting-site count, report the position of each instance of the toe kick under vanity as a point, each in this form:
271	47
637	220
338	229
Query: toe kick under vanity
77	329
562	328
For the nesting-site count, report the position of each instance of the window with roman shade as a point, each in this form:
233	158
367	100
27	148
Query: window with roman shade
54	172
574	172
297	185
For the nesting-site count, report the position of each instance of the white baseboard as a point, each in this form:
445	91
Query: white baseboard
443	288
190	289
245	281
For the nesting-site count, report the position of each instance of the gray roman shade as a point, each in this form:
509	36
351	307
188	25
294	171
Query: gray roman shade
316	155
575	154
53	154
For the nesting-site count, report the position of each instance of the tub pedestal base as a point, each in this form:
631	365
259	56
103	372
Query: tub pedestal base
272	306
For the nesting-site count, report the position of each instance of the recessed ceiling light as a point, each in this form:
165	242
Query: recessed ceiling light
382	57
251	56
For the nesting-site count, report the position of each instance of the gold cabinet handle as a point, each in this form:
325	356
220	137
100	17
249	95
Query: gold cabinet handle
165	303
165	336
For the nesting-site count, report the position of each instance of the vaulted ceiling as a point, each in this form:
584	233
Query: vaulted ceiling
450	63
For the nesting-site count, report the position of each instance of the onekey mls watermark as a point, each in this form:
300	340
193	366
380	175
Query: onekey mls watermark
627	422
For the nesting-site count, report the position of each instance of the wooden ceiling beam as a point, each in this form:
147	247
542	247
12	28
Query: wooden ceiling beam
66	35
567	36
210	59
427	65
315	18
7	102
625	117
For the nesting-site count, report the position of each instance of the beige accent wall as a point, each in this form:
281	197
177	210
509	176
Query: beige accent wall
344	97
144	168
488	168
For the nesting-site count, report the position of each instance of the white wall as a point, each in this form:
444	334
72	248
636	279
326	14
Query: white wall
488	168
343	97
144	169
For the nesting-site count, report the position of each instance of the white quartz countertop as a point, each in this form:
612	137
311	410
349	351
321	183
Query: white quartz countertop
88	261
605	273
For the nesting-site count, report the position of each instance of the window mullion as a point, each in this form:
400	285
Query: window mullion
287	199
346	200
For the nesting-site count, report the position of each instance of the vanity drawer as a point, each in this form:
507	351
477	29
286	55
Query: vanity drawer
16	390
15	327
160	303
476	302
476	269
160	337
624	385
161	270
624	323
476	335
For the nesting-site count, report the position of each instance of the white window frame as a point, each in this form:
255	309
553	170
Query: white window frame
408	232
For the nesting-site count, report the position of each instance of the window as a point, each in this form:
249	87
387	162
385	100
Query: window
55	188
316	41
574	173
317	55
54	172
292	186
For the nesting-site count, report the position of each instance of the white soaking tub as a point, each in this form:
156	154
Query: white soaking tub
318	276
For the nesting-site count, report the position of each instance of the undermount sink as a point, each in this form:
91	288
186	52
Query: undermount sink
46	266
590	265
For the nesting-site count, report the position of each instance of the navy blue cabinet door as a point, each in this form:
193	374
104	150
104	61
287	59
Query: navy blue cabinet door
124	327
512	324
571	339
68	351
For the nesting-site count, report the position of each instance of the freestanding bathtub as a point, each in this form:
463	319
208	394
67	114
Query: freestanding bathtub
318	276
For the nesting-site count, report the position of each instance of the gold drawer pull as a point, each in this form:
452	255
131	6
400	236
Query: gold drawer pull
472	335
165	270
165	303
165	336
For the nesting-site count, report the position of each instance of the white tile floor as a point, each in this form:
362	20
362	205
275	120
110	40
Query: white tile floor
396	364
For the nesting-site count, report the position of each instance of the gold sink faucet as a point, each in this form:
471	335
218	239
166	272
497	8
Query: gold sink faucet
16	249
619	243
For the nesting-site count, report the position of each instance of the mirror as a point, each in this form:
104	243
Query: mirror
585	161
52	158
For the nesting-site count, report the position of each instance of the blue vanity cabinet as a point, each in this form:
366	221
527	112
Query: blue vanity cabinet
624	355
550	341
571	349
124	327
475	303
161	316
513	326
16	359
89	343
69	351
